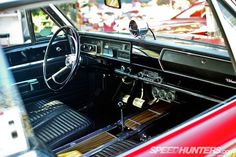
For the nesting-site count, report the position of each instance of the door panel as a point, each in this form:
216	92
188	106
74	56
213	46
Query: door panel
26	63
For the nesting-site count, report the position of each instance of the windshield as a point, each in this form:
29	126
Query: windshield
184	19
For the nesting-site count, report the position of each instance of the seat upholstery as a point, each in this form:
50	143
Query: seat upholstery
56	124
116	148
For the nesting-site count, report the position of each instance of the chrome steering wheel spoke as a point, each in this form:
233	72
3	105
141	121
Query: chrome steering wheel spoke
72	60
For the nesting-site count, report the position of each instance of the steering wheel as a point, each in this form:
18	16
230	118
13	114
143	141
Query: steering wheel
72	60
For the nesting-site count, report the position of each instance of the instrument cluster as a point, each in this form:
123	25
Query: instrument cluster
111	49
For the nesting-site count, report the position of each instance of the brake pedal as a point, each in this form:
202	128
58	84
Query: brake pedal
138	102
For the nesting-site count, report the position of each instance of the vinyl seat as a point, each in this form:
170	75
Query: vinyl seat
55	124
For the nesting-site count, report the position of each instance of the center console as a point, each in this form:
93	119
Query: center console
113	134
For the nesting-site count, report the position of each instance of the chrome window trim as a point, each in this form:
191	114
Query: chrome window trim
32	63
54	8
228	32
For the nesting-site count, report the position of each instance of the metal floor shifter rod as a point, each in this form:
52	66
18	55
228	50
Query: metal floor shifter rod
121	105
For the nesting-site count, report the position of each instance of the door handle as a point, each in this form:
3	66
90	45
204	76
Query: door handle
28	85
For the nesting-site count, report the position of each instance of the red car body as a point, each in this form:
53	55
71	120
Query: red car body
212	133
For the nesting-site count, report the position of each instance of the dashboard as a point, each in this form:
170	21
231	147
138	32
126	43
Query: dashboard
168	69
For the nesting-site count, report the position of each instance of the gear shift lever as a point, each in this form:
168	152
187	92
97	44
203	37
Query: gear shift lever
121	106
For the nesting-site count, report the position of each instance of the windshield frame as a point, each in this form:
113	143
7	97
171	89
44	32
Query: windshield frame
225	27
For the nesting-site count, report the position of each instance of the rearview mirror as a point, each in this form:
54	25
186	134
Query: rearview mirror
113	3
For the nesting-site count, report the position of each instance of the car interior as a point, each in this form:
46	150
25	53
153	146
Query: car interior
102	93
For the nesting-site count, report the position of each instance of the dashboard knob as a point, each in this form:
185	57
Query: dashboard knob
122	68
140	74
128	70
90	48
158	80
83	47
58	49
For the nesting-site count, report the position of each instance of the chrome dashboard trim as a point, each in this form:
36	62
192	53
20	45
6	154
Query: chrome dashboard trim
170	87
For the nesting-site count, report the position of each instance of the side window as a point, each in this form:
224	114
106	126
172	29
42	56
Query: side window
14	30
44	27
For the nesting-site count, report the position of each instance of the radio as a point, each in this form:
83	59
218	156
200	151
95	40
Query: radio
150	76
